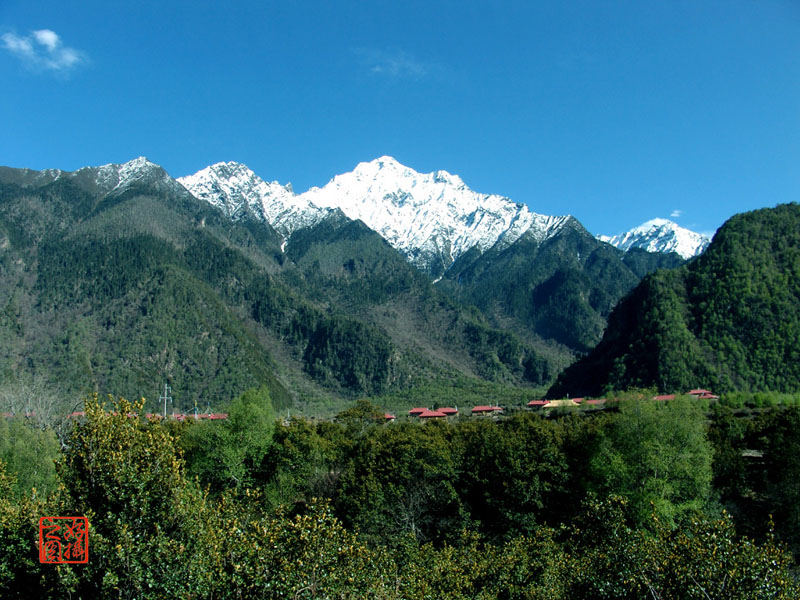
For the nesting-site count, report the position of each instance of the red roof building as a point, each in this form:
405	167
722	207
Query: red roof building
449	412
415	412
664	397
431	414
596	402
389	417
484	410
537	403
705	394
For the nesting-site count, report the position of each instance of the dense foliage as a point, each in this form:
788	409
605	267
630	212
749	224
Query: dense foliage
520	508
729	320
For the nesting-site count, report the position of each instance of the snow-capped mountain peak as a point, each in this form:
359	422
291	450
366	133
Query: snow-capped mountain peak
432	218
388	167
660	235
236	190
116	178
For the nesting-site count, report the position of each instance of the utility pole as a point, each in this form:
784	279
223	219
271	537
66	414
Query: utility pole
165	397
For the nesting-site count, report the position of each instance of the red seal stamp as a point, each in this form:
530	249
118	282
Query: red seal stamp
63	540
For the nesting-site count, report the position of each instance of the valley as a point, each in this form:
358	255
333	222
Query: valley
220	281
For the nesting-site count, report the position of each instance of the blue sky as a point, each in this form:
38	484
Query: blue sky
613	111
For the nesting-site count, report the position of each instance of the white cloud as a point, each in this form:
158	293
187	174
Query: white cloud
47	38
43	50
676	213
395	64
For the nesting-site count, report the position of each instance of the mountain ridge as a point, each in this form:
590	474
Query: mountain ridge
431	218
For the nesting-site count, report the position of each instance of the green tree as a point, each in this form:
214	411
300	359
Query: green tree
311	555
780	437
30	454
21	574
732	483
127	479
400	480
704	558
511	471
299	465
360	416
656	455
230	454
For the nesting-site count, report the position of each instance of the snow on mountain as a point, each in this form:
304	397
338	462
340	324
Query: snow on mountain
428	216
235	189
660	235
431	218
116	178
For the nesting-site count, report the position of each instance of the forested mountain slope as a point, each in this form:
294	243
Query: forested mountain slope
728	320
561	289
116	279
351	268
104	287
544	277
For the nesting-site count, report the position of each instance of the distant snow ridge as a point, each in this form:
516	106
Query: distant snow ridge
660	235
431	218
114	179
236	190
117	177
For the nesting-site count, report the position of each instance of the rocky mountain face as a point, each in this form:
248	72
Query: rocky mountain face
103	180
237	191
431	218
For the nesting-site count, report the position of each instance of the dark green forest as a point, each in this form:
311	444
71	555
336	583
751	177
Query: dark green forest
561	289
729	320
646	500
